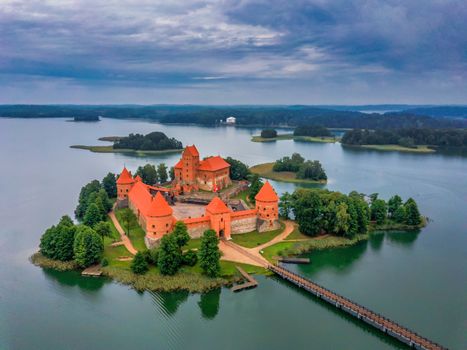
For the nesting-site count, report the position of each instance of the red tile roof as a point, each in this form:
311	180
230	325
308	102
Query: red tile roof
213	164
192	150
159	206
125	177
138	178
179	165
217	206
146	204
267	194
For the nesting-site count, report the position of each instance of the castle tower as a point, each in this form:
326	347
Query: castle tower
219	214
159	219
267	206
186	169
124	184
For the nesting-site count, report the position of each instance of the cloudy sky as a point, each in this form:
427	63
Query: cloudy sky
233	51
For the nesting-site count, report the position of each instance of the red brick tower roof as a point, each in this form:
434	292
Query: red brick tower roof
125	177
217	206
138	178
192	150
159	206
267	194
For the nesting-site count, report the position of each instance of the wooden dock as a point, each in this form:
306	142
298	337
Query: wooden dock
250	281
378	321
92	271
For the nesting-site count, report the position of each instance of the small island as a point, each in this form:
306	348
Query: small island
152	143
304	133
86	118
418	140
292	169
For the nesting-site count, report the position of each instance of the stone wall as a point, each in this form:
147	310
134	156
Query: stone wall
243	223
196	230
267	225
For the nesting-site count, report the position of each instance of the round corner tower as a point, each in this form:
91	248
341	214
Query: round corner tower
267	204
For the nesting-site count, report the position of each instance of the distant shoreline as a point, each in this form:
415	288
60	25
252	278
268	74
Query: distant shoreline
396	148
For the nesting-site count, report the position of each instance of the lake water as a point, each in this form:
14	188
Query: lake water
417	279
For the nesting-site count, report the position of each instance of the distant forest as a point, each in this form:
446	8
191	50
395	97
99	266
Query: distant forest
269	116
409	137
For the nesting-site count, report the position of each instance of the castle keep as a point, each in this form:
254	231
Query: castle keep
157	217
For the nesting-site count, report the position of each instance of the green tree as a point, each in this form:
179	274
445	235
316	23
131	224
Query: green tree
88	246
379	211
238	170
103	229
139	265
180	232
66	221
399	215
285	205
93	215
209	254
308	210
342	219
255	186
169	257
64	242
353	220
106	202
100	206
268	133
148	174
190	258
172	173
109	184
162	172
412	215
373	197
393	204
129	220
84	200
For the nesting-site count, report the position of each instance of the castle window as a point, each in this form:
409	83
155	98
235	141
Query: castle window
166	225
153	226
222	219
268	215
264	208
127	189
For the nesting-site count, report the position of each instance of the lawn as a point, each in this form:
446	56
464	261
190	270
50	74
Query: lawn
243	196
136	232
265	170
296	234
255	238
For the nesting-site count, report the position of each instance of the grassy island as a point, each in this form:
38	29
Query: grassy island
152	143
307	133
395	148
266	170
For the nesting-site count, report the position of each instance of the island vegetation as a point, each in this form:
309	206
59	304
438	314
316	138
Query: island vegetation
406	139
307	133
326	219
86	118
292	169
153	143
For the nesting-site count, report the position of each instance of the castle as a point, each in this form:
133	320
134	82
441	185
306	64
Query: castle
209	174
157	217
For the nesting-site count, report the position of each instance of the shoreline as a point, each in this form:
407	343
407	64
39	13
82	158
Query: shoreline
265	170
110	149
394	148
279	137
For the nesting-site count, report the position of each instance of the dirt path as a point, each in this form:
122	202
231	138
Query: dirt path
126	241
234	252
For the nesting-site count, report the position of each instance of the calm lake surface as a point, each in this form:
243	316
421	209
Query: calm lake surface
417	279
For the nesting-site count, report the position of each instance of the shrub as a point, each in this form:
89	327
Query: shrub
139	265
87	247
104	262
190	258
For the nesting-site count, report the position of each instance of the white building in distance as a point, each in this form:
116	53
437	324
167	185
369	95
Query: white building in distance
231	120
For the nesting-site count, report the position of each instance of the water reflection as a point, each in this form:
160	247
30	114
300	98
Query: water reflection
402	238
74	278
209	303
168	303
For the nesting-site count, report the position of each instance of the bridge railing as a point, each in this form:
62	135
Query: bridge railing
336	296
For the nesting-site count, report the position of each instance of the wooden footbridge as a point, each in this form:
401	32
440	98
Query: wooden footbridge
362	313
372	318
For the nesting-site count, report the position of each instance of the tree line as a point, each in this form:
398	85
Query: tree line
154	141
310	169
322	211
83	243
407	137
312	130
